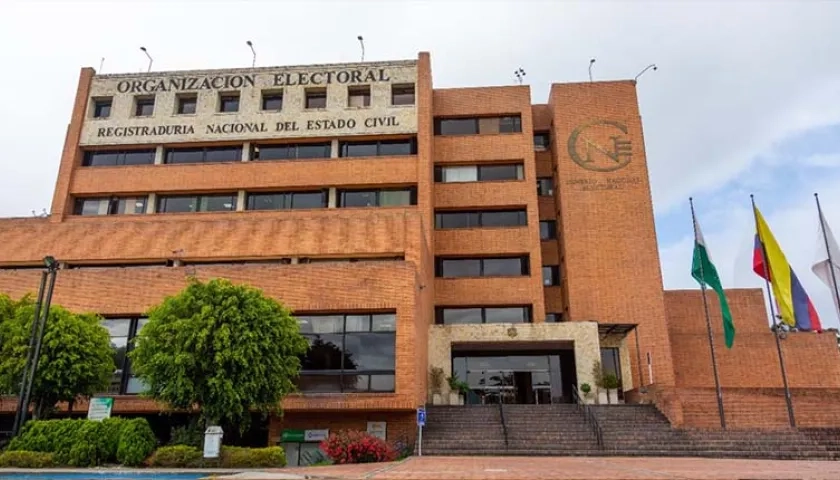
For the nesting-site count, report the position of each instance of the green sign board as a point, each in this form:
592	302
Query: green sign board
100	408
292	436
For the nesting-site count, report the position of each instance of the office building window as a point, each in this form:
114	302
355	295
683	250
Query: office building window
478	125
204	155
358	96
102	107
287	200
101	158
478	315
110	206
123	331
290	151
548	229
348	353
479	173
402	95
377	198
379	148
144	106
187	104
272	100
541	141
481	267
474	219
196	203
229	102
316	98
545	186
554	318
551	275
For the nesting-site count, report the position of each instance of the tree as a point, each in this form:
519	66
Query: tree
76	356
221	348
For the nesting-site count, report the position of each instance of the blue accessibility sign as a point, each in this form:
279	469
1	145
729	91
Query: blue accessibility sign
421	416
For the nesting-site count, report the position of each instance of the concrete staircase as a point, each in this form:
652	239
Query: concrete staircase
626	430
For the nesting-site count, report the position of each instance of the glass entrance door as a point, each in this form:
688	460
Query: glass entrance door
511	379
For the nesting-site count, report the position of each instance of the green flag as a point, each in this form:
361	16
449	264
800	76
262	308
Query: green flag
704	271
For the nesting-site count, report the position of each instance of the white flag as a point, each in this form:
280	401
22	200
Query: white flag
822	268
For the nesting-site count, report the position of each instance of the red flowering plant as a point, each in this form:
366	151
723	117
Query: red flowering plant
350	446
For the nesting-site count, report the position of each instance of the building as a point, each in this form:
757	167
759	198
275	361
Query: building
409	226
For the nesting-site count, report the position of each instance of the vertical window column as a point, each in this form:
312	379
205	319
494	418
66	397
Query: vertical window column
241	198
334	149
150	204
332	200
246	152
159	156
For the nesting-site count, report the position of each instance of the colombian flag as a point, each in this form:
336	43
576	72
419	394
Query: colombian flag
794	305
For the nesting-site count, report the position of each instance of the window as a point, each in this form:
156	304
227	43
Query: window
479	173
551	275
196	203
287	200
481	267
378	148
272	101
316	98
118	157
545	186
348	353
475	315
204	155
229	102
358	96
478	125
377	198
187	104
402	94
110	206
548	229
144	106
500	218
291	151
122	332
541	141
554	318
102	107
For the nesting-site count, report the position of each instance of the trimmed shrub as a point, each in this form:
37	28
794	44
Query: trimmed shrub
176	456
240	457
24	459
90	446
350	446
137	442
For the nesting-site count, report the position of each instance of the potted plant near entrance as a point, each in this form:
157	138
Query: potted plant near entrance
611	384
457	390
436	384
586	389
598	378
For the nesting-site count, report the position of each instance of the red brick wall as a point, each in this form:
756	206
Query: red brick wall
400	425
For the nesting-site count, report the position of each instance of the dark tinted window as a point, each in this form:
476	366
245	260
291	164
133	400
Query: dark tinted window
500	172
506	315
187	104
377	198
177	204
204	155
292	151
475	315
196	203
510	124
456	126
278	201
222	154
481	267
144	106
541	141
316	98
545	186
272	101
102	108
402	94
457	220
551	275
504	218
495	267
309	200
358	96
359	149
90	206
460	316
229	102
358	199
119	157
553	317
313	150
548	229
459	268
380	148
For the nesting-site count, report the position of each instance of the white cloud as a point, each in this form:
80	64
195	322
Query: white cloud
826	160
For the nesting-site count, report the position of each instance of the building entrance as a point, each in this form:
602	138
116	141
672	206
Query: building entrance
516	377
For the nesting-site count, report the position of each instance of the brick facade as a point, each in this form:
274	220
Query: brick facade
605	246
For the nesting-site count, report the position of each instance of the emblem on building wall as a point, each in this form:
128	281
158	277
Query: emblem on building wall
601	146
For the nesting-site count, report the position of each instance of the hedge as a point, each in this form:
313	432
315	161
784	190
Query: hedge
86	443
183	456
21	459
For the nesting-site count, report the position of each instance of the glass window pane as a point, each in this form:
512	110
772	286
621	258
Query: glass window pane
316	99
268	201
505	315
402	94
274	152
545	186
272	102
497	172
548	229
396	147
313	150
550	275
358	149
101	158
358	199
461	316
358	323
327	323
503	219
223	154
141	322
229	103
457	220
389	198
510	124
185	155
117	327
91	206
503	267
177	204
385	322
308	200
460	174
382	383
139	157
218	203
324	353
460	268
369	351
355	383
186	105
319	384
131	205
457	126
135	386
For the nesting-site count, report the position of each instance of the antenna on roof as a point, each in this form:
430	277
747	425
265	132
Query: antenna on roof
150	58
362	43
591	62
101	64
652	65
520	74
253	53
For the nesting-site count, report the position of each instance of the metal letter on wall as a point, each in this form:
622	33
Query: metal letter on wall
599	155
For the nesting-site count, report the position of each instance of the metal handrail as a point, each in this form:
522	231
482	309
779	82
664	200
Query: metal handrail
589	416
502	415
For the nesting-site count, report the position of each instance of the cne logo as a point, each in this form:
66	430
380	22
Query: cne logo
601	146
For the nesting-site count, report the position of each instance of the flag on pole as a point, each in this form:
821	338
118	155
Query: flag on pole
827	257
795	306
703	270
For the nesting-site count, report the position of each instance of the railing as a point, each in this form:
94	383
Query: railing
589	416
502	415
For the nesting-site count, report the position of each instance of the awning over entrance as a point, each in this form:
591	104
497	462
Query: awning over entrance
620	329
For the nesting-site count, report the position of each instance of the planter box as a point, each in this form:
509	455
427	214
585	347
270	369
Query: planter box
437	399
602	397
455	398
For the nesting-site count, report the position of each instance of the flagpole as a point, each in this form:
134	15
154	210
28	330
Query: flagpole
709	328
828	251
788	399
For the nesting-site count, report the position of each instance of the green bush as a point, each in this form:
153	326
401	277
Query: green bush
24	459
240	457
89	447
137	442
111	428
191	435
176	456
